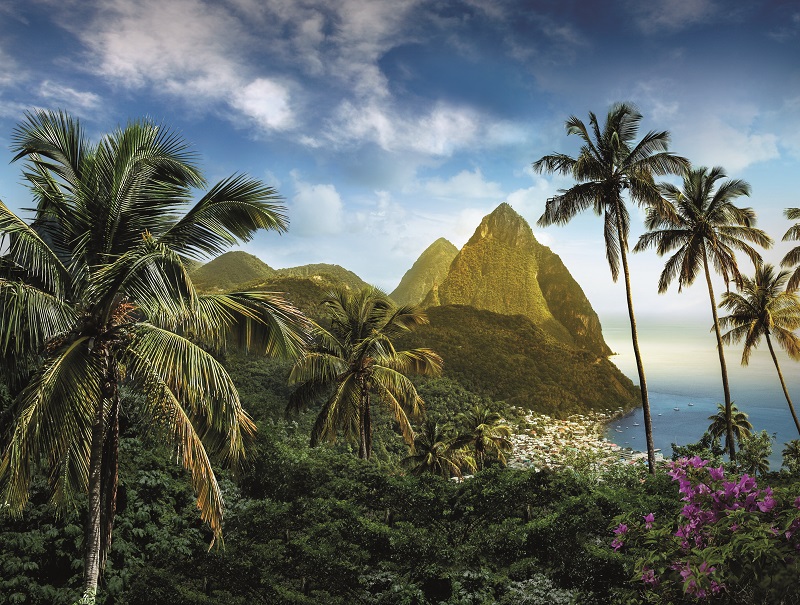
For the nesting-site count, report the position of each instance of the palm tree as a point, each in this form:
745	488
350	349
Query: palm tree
729	420
704	227
763	308
435	452
754	453
791	456
94	294
792	258
355	360
485	431
610	162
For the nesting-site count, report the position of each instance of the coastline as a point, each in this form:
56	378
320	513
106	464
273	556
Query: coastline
544	442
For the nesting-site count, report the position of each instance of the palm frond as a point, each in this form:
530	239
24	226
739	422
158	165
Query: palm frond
29	318
340	413
55	136
29	252
174	424
229	213
56	412
260	322
198	381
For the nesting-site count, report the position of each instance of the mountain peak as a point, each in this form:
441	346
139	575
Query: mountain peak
503	269
426	273
506	226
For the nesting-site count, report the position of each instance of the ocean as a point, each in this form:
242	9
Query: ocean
684	384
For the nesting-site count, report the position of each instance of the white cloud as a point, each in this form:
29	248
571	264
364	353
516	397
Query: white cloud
10	71
673	14
190	49
265	101
68	98
714	141
466	185
315	209
439	132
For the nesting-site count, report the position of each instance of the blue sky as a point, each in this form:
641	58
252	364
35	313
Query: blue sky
386	124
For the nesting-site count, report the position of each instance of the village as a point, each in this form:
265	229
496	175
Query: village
542	442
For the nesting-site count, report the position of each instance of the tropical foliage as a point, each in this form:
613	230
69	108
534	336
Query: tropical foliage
94	294
722	547
792	258
611	161
762	308
739	426
436	451
355	360
487	434
704	228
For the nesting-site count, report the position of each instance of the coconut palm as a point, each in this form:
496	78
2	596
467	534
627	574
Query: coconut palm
754	453
791	456
763	308
94	294
610	162
792	258
704	228
486	433
739	425
355	360
435	452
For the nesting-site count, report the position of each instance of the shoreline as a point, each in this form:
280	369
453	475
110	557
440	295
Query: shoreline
544	442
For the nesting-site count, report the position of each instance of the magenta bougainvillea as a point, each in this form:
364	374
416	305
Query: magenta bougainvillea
730	541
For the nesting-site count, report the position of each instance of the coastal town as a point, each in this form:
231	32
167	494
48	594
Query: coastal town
543	442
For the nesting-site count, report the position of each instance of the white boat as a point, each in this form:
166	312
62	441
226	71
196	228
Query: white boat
677	409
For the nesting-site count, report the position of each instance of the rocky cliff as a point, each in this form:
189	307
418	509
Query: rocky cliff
503	269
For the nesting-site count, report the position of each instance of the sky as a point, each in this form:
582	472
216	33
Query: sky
386	124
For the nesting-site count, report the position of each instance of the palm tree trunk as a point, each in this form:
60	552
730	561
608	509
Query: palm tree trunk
365	428
723	367
91	558
783	383
648	425
110	476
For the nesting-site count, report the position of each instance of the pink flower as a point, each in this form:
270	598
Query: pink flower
716	474
697	462
767	504
648	521
649	576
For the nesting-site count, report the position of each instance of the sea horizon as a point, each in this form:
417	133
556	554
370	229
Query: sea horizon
684	384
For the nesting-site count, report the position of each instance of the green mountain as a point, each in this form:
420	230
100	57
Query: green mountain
510	358
427	272
324	272
229	271
242	271
502	268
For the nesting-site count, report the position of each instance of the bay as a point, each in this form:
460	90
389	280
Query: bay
682	371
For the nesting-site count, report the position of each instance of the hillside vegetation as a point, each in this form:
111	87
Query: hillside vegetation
509	358
426	273
230	270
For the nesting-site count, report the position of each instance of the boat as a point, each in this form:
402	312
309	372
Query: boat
691	404
635	424
676	409
659	413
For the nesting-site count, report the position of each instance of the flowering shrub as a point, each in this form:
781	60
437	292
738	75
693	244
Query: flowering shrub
731	542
